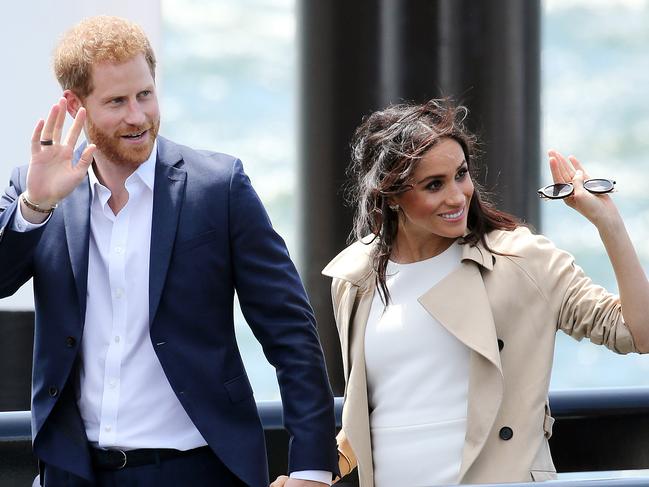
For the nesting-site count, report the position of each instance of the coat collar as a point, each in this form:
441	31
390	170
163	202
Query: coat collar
463	289
354	264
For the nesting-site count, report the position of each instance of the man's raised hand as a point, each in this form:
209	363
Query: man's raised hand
51	175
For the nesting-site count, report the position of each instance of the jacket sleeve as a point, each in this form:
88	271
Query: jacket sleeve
276	307
16	248
583	309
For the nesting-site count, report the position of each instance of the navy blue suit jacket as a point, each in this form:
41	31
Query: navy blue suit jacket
210	237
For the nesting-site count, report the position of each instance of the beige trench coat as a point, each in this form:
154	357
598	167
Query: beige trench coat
506	309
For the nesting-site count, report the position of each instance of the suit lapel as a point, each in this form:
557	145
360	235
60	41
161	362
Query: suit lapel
76	217
474	326
168	194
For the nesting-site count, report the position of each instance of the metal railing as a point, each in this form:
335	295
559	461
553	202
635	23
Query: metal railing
603	430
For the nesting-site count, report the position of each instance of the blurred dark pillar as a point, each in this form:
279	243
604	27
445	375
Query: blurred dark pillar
362	55
17	331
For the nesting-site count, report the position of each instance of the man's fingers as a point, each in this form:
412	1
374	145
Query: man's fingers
36	136
85	160
77	127
48	128
60	120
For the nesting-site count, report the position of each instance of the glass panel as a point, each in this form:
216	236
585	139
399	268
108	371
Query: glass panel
594	106
229	86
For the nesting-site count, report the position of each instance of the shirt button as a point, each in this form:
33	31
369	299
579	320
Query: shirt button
506	433
107	428
117	339
112	383
53	391
70	342
119	292
119	250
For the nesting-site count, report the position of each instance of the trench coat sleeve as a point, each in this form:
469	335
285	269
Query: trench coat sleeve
582	309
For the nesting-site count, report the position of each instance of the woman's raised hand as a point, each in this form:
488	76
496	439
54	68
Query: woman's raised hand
595	207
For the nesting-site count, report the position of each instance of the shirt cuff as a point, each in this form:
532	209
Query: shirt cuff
313	475
21	225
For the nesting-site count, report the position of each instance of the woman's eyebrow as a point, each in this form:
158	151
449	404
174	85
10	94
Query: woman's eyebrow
442	176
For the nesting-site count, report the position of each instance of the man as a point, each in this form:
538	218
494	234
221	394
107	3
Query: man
136	246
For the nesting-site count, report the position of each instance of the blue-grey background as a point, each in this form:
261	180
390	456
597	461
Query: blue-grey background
230	85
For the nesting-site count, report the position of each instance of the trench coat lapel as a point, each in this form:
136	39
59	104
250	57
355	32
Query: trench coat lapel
354	267
168	195
355	419
460	303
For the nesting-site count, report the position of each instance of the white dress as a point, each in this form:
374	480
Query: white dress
418	379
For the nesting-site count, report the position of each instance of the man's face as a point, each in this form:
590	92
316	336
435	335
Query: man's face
123	113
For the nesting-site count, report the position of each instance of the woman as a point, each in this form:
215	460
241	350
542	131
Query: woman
447	311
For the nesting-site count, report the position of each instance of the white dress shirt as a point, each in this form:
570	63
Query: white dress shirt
124	397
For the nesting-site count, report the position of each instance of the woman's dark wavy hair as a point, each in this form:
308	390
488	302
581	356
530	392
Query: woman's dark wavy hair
386	149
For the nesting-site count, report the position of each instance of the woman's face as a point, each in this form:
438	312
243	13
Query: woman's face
434	212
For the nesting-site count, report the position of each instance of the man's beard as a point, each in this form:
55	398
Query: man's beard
116	149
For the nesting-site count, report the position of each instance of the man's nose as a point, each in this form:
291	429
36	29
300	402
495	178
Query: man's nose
135	114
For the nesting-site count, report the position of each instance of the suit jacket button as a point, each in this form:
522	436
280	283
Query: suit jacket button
501	344
53	391
506	433
70	342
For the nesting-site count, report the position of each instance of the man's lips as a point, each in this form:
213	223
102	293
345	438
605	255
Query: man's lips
135	136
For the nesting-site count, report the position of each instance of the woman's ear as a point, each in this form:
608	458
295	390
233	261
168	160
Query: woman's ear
74	102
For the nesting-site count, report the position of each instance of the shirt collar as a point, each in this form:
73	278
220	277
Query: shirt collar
145	172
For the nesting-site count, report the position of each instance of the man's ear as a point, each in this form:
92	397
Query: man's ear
74	102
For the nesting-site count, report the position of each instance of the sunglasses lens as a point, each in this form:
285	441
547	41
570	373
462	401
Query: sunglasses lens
559	190
599	185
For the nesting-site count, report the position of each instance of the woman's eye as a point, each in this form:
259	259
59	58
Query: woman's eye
461	173
434	185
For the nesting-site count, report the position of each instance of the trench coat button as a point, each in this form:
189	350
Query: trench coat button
501	344
70	342
53	391
506	433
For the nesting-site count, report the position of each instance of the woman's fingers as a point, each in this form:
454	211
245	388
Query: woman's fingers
565	168
554	169
279	481
577	165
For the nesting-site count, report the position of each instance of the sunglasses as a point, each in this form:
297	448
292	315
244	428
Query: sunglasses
558	191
